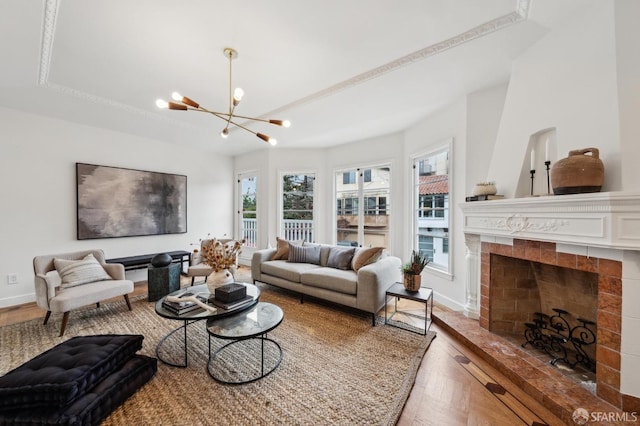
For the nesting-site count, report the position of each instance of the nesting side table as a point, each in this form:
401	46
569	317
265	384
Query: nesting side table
424	295
163	280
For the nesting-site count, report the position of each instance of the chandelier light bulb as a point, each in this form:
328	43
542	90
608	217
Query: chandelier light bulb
238	94
176	96
286	123
161	103
273	141
224	133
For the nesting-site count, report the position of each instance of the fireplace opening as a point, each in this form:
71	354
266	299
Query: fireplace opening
549	311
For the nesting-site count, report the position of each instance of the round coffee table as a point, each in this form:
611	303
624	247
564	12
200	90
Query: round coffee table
242	328
197	315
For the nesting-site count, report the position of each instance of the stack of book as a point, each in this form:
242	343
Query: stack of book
484	197
181	307
231	305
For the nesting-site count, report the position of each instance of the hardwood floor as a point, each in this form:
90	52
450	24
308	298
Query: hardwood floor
453	385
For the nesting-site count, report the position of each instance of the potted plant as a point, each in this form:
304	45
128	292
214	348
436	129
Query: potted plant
413	269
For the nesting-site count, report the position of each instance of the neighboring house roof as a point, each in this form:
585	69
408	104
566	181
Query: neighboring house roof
434	184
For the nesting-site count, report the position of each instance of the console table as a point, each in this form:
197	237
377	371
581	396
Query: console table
143	260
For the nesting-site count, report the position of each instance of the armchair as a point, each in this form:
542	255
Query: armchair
54	296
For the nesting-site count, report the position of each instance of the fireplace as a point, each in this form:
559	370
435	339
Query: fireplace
546	307
523	254
540	278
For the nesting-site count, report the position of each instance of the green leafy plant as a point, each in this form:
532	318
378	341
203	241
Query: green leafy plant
417	263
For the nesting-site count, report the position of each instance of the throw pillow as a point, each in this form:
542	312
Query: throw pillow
308	254
365	256
340	257
282	249
78	272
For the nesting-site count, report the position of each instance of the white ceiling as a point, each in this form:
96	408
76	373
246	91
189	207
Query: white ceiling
340	70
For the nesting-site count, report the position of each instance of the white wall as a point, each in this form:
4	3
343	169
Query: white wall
568	81
37	162
484	111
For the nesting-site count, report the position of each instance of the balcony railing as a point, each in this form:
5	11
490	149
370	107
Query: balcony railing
292	230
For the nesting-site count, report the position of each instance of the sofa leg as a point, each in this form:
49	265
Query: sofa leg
65	318
302	299
193	280
126	299
46	317
98	305
373	320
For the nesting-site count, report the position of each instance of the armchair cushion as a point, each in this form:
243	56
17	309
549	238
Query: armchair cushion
67	371
78	272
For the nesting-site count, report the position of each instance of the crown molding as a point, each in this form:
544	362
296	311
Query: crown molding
48	34
519	14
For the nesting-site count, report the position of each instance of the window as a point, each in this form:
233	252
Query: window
297	206
248	209
349	177
362	208
431	207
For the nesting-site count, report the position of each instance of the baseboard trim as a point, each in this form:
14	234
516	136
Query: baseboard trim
7	302
448	302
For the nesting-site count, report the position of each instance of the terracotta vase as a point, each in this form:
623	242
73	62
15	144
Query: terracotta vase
578	173
412	282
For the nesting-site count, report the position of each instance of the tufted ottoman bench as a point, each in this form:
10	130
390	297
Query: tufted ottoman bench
78	382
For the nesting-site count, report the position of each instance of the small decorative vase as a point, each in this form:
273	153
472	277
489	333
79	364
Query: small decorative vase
484	189
160	260
578	173
412	282
218	279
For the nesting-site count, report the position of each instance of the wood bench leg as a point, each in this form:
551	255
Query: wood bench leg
126	299
46	317
65	318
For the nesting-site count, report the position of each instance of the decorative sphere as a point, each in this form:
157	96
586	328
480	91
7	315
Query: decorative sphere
161	259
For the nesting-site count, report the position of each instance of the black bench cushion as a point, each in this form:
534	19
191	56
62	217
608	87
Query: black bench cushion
59	376
95	405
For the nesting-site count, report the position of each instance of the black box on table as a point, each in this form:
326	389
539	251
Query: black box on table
230	292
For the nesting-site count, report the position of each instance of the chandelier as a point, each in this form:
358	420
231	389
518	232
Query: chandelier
186	104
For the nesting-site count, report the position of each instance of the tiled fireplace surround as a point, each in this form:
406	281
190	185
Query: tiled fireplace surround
593	233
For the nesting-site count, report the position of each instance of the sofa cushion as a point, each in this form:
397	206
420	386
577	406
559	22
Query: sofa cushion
59	376
332	279
282	250
304	254
286	270
78	272
340	257
365	256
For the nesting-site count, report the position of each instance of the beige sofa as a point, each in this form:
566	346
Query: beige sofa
363	289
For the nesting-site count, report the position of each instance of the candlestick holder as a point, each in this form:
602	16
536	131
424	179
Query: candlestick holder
533	172
547	164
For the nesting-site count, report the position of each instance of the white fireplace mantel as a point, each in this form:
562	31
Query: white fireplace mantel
602	219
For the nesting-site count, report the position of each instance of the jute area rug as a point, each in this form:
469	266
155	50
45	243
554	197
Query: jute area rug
336	368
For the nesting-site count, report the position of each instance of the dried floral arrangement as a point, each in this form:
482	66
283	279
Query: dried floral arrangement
220	255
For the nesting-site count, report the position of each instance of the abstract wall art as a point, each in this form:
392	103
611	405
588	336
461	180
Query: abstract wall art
118	202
